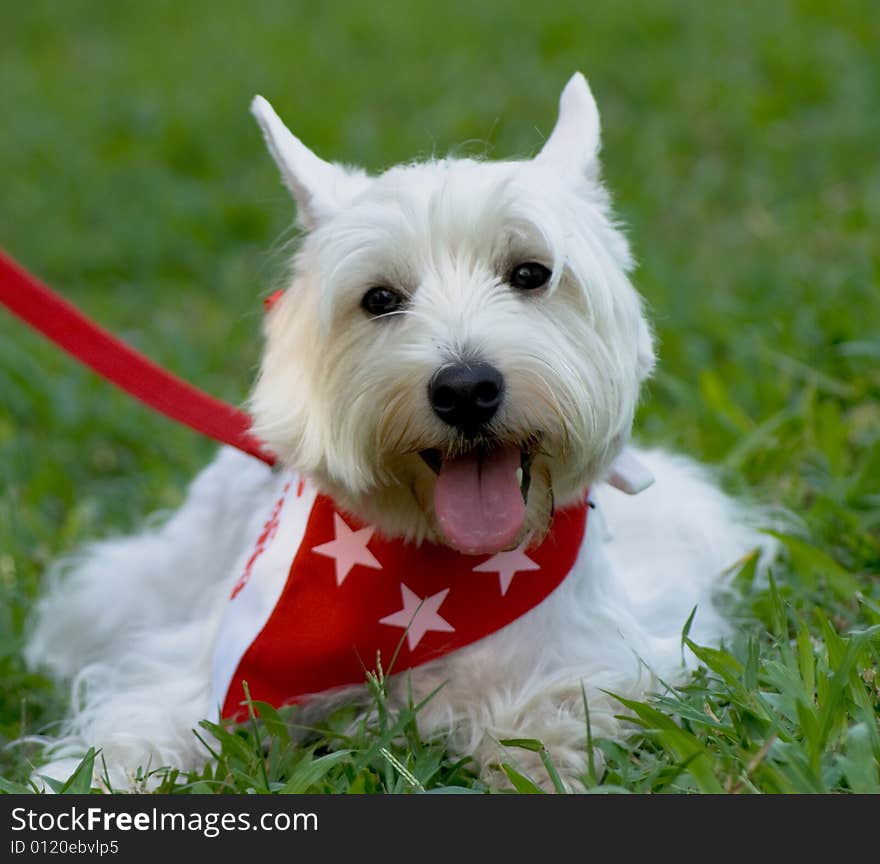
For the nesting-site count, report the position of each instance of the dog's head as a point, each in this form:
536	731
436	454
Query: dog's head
459	349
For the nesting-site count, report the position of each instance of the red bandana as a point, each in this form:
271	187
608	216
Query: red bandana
322	596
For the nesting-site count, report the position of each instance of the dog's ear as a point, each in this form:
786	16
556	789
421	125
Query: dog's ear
320	188
573	144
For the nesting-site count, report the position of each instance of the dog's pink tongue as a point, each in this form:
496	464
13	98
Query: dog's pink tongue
478	501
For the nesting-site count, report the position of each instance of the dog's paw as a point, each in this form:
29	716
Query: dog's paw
517	766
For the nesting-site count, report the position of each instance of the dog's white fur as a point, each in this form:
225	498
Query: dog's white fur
342	398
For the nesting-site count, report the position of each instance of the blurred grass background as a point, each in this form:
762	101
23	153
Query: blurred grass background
741	145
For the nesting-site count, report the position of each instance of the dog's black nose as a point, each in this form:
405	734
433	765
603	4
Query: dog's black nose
466	395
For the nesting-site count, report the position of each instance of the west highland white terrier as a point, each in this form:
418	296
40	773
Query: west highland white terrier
449	381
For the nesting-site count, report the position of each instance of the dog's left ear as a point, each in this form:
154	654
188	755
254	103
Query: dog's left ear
573	144
320	188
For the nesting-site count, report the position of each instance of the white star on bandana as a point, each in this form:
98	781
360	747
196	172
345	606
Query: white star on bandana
348	549
419	615
507	564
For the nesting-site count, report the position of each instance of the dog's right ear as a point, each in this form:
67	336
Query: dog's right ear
320	188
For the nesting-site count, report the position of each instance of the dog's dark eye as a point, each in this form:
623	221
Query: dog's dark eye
529	276
381	301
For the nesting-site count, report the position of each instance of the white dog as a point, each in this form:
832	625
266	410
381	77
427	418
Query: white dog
456	362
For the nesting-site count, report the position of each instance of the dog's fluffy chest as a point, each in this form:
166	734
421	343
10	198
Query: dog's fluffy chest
321	599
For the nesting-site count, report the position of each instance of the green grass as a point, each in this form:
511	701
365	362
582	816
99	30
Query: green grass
740	142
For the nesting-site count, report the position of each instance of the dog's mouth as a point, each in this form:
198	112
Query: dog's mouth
480	495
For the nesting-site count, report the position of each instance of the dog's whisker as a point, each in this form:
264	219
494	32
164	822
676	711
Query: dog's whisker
550	398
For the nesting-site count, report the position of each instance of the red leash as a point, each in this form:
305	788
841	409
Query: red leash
61	323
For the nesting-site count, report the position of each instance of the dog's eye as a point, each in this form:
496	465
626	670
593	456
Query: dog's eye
381	301
529	276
